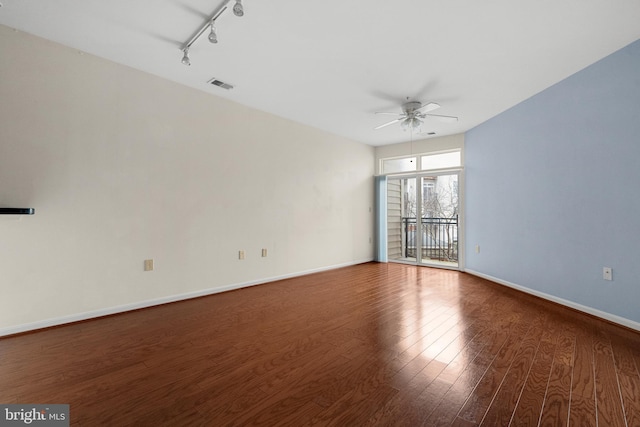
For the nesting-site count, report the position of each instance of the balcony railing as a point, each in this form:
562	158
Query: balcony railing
439	238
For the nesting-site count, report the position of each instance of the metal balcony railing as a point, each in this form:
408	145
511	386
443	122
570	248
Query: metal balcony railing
439	238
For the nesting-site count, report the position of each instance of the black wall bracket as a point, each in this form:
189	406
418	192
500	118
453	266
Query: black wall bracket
17	211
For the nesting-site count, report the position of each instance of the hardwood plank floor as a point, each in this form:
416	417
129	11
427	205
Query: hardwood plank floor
368	345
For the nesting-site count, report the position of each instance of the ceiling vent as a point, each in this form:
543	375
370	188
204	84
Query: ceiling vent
220	83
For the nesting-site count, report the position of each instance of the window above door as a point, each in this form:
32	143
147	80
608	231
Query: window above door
444	160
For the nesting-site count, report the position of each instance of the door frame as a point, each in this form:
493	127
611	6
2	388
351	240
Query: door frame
418	175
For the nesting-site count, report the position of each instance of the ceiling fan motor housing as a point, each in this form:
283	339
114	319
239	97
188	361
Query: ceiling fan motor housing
411	107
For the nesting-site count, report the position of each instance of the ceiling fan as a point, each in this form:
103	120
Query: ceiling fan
414	113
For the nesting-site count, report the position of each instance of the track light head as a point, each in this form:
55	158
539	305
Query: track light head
238	10
213	36
185	57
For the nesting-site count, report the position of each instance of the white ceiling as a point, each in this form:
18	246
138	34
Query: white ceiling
331	64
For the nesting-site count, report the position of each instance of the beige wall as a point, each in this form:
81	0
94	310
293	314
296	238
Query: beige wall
122	166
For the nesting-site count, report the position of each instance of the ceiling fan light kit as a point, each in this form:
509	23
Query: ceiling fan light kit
412	123
238	10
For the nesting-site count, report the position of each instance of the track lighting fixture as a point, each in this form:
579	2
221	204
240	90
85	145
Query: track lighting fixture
185	57
238	10
213	37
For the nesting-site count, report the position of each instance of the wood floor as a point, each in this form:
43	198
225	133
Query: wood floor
368	345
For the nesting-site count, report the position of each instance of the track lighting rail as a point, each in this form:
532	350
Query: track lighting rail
238	10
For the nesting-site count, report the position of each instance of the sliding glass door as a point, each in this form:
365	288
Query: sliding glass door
423	219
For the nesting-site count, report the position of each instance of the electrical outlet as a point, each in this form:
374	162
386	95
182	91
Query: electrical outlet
264	253
607	273
240	254
148	265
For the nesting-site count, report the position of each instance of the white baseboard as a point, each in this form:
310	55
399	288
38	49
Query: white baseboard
12	330
589	310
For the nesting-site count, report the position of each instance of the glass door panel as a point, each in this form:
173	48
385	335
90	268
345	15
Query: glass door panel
439	220
402	205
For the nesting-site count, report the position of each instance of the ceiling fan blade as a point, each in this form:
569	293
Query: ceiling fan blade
429	107
389	123
445	119
390	114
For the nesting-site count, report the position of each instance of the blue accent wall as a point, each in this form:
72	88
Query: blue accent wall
553	189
